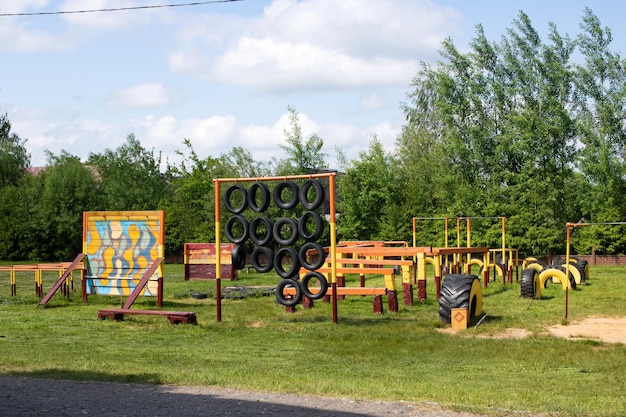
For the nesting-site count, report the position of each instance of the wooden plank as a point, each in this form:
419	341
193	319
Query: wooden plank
174	317
62	278
454	251
384	251
372	271
345	291
142	283
359	261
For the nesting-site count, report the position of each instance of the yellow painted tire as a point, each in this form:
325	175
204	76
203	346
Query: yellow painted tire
532	262
537	267
556	274
478	263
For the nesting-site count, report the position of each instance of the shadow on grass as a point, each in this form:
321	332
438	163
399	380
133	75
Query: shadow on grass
61	392
500	290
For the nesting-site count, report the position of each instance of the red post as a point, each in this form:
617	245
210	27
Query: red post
160	291
334	300
566	302
407	291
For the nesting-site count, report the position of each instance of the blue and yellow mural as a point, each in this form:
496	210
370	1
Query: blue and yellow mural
119	247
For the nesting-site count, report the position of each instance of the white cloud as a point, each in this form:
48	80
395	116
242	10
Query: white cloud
67	31
141	96
108	21
210	136
373	101
21	6
321	44
270	65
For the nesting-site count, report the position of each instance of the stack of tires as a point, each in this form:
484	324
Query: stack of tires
533	267
283	244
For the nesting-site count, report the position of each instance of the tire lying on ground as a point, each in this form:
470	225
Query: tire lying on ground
460	291
529	282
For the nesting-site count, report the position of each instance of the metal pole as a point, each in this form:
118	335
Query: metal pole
333	245
218	253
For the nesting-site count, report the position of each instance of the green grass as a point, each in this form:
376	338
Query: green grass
401	356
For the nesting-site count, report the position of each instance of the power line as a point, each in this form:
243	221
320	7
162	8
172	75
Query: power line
120	9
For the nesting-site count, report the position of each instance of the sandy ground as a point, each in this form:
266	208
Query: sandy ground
604	329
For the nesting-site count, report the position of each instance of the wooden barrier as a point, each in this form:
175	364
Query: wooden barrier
77	263
118	247
199	260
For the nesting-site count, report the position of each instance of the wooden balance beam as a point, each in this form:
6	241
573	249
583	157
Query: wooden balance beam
175	317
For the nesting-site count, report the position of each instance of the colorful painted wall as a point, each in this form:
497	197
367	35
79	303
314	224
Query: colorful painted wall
119	247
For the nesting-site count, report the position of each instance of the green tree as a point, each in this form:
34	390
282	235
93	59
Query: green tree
499	118
130	177
303	156
14	159
601	110
14	162
68	188
367	194
191	207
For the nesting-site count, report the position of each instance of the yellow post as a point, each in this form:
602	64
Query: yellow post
333	245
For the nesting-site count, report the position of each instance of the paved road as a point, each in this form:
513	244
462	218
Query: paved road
25	397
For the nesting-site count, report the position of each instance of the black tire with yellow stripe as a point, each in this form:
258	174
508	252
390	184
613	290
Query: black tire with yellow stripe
460	291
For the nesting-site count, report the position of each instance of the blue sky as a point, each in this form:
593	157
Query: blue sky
223	74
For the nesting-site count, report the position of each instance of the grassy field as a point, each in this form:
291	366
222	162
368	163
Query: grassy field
394	356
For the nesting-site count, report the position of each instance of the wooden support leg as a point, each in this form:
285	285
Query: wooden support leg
341	282
407	290
438	287
392	299
378	304
421	290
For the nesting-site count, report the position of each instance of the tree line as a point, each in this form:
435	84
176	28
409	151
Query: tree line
528	129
